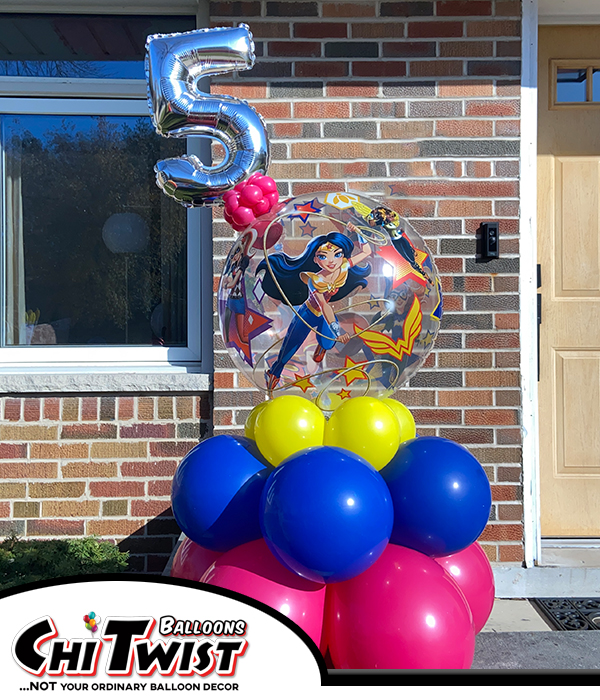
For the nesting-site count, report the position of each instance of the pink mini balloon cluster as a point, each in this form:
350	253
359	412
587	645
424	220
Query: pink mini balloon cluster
250	199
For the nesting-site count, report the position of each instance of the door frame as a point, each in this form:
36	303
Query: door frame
535	13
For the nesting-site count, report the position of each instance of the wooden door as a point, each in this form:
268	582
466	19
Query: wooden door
569	254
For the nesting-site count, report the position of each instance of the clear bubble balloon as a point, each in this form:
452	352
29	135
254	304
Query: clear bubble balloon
330	296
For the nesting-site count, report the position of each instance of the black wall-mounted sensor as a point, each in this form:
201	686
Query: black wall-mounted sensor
488	242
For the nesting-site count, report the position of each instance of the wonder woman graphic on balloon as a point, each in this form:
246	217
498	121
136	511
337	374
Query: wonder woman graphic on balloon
326	272
309	299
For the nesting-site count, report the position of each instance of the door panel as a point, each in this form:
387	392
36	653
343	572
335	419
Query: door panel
569	254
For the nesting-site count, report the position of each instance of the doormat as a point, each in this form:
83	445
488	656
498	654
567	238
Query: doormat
565	614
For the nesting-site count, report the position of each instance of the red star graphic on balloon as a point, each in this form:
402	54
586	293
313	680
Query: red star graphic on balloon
303	382
402	269
306	209
343	394
254	324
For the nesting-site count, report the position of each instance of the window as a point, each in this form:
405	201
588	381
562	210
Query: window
574	83
98	266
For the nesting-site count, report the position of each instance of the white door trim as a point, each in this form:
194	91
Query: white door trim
528	286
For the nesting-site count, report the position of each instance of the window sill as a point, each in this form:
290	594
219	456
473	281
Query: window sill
100	380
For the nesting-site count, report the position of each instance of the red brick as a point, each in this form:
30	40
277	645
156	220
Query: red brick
471	88
465	398
160	468
478	284
88	432
492	340
506	321
507	226
508	8
170	449
12	451
508	359
31	409
4	509
508	127
479	168
243	90
461	207
270	30
299	188
322	110
301	49
510	474
320	30
453	302
109	489
436	68
148	430
511	552
160	488
508	436
467	128
414	207
125	408
492	379
365	89
12	409
435	30
379	30
223	380
492	108
321	69
433	416
491	416
287	130
51	409
31	470
500	28
462	360
449	264
54	527
463	8
466	49
273	110
504	492
468	436
113	527
150	509
89	408
486	188
379	69
337	170
348	9
502	532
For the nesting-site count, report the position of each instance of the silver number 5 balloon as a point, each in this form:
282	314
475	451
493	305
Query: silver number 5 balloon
174	65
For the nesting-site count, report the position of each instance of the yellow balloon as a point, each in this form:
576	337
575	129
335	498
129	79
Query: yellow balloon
408	429
251	421
367	427
286	425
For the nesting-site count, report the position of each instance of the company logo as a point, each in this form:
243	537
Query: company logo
191	648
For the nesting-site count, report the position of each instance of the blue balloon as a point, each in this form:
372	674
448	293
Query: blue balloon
216	492
441	495
326	514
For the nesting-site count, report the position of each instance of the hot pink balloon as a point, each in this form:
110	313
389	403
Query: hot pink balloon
404	612
250	195
191	561
471	570
251	569
261	207
243	216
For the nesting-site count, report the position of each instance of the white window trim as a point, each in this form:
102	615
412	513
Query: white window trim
114	368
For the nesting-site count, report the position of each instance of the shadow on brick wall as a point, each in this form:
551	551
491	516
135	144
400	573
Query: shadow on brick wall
150	546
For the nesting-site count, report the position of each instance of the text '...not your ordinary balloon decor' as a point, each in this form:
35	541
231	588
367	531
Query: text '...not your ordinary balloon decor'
174	65
331	509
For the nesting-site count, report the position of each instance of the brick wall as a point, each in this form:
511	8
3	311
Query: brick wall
73	466
416	103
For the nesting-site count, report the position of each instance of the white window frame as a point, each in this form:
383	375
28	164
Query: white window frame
113	368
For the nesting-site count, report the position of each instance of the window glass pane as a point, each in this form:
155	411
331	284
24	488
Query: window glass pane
95	254
596	85
571	85
80	46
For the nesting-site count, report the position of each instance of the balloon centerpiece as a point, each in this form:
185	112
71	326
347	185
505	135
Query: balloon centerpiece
330	509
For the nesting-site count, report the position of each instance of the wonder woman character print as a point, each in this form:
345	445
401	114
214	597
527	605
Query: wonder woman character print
234	281
326	272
